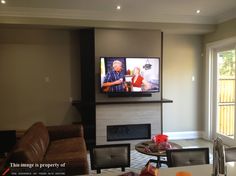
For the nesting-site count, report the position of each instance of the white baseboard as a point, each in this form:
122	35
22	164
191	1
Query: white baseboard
184	135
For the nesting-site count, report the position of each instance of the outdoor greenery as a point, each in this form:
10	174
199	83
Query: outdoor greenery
227	64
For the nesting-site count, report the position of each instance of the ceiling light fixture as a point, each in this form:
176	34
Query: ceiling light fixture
118	7
3	1
198	11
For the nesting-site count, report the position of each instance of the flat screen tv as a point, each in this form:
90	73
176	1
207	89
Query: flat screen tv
130	74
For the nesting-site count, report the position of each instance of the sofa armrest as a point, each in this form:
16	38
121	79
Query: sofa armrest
65	131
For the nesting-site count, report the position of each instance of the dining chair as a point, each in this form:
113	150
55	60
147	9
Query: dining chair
187	157
110	156
230	154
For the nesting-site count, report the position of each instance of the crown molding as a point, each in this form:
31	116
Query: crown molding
98	15
78	19
171	28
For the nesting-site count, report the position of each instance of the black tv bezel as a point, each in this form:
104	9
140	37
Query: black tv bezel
129	94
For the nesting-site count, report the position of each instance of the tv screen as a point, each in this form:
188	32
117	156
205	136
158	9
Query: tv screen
130	74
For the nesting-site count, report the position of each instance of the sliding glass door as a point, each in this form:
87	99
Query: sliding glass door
220	90
225	94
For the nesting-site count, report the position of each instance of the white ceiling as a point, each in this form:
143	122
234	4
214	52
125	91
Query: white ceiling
164	11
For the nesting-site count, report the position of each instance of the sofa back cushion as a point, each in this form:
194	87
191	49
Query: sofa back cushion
32	146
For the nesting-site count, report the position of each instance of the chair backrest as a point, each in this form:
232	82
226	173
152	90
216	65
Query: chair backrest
187	156
230	154
110	156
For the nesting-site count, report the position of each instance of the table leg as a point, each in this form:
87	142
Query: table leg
157	161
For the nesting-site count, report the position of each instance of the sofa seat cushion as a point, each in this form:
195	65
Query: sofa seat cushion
66	145
72	151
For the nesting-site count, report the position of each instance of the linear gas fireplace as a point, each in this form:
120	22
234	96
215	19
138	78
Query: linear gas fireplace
128	132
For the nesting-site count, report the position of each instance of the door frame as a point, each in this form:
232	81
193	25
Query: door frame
210	93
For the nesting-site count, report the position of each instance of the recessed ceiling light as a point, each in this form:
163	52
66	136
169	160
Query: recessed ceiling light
3	1
118	7
198	11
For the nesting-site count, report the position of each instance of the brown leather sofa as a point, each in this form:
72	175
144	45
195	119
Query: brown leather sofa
54	144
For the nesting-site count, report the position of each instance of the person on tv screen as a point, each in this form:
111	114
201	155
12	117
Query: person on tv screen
138	81
113	81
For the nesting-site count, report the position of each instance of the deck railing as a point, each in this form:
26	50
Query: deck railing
226	106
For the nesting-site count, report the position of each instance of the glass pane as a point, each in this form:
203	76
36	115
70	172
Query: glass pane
226	92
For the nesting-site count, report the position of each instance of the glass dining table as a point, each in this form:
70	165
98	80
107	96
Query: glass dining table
149	148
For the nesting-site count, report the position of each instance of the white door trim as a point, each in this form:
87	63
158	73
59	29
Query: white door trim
210	82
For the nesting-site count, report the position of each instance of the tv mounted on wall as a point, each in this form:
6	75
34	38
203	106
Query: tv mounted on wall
129	75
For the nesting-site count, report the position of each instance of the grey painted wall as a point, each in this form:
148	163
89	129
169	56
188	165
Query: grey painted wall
130	43
28	56
38	77
182	61
223	31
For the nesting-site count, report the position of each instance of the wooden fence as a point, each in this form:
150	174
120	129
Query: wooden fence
226	107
